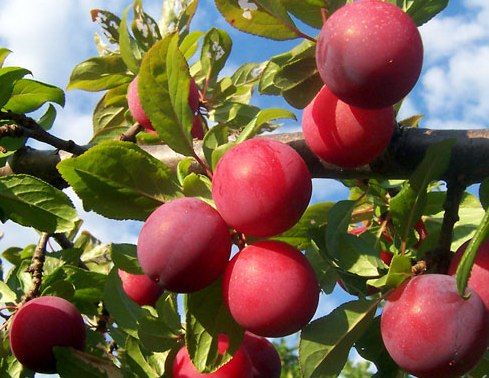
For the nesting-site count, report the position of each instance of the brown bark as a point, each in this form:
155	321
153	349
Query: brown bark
468	164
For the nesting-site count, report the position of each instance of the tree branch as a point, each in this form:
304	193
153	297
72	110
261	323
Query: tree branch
468	163
29	128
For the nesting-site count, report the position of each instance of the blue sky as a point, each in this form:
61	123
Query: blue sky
49	37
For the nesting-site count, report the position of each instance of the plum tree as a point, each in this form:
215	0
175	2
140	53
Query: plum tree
370	54
479	275
270	289
261	187
140	288
263	356
238	367
345	135
184	245
42	324
208	182
422	331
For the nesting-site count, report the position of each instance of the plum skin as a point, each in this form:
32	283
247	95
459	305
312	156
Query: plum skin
431	331
370	53
238	367
270	289
140	288
41	324
261	187
344	135
479	276
263	356
135	107
184	245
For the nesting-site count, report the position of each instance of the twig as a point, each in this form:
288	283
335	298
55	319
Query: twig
29	128
439	259
36	267
130	134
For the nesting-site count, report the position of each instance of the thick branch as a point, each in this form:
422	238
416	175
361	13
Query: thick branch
468	161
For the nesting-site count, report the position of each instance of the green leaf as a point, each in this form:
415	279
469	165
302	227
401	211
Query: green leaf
233	115
338	219
358	256
422	11
314	218
125	257
144	27
7	295
309	11
72	363
128	47
109	22
480	371
215	51
47	119
122	309
484	193
326	342
176	16
371	347
206	317
8	77
3	55
248	73
399	271
99	73
89	288
263	119
199	186
135	361
468	257
109	119
32	202
215	137
163	83
29	95
129	184
408	205
190	43
162	333
266	18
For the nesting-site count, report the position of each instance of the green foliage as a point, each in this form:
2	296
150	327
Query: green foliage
129	185
326	342
32	202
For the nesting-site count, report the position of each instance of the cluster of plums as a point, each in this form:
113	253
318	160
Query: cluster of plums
369	55
260	187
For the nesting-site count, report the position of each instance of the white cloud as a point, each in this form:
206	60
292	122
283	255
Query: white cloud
453	91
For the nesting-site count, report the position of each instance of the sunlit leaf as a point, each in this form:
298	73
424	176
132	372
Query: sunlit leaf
129	184
164	82
29	95
32	202
326	342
